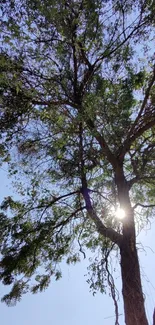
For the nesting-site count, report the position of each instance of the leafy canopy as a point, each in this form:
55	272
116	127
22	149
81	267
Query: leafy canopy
77	102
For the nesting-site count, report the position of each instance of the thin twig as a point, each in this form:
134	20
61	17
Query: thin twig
111	284
143	205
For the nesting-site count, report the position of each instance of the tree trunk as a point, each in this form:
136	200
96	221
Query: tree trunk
154	317
132	289
131	281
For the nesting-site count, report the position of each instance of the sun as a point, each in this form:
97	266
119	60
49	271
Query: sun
120	213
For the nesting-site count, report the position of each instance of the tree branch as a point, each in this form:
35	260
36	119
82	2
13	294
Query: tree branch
113	290
146	97
138	178
64	222
100	139
55	199
143	205
132	136
106	53
103	196
49	204
50	102
101	228
128	142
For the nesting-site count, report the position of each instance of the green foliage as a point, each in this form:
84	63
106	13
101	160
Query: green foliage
16	293
14	100
76	106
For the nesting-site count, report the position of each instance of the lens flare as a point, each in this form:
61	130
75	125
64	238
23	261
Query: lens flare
120	213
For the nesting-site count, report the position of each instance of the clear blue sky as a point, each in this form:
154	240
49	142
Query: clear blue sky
68	301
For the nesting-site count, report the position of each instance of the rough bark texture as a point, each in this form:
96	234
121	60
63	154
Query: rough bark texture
132	288
134	308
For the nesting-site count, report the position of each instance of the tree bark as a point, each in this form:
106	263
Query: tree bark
131	286
134	307
154	317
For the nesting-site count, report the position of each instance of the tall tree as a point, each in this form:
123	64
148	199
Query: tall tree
83	99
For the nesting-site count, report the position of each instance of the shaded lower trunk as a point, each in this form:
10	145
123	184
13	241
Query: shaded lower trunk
132	289
133	298
154	317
